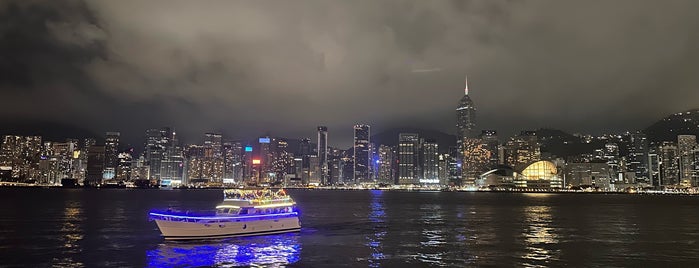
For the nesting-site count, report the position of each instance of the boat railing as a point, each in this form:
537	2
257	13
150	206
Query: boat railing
217	219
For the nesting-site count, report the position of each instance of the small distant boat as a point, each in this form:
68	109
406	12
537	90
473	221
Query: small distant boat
242	213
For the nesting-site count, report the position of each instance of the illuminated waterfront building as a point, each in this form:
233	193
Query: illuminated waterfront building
111	150
95	165
323	154
465	115
539	175
668	163
123	170
386	165
233	161
522	149
408	158
637	157
265	155
211	162
20	156
335	165
490	138
361	156
475	159
430	162
282	159
465	124
686	145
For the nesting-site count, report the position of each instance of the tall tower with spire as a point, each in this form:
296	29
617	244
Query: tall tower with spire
465	125
465	115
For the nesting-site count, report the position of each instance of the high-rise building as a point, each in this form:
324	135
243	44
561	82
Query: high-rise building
408	158
323	154
430	162
111	150
334	165
465	115
282	160
386	165
492	144
522	150
637	157
465	124
475	159
95	165
123	170
361	157
212	145
669	164
611	156
155	148
686	145
212	161
233	161
164	156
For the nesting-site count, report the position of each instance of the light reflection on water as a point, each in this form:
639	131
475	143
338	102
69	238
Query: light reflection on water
377	218
539	237
71	233
432	221
269	251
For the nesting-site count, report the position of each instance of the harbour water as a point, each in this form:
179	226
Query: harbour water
110	227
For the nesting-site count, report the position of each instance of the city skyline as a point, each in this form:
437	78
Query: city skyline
277	69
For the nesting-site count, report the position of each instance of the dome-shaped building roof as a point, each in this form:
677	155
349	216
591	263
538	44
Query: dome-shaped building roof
540	170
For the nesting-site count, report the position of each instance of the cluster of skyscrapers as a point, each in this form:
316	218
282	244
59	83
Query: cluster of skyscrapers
477	159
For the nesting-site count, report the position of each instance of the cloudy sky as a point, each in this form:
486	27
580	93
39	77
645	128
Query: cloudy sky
246	68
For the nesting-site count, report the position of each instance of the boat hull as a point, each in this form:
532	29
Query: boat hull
211	229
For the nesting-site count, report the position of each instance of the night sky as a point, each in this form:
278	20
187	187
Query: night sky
246	68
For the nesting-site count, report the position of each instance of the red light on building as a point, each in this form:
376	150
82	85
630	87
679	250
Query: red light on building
256	161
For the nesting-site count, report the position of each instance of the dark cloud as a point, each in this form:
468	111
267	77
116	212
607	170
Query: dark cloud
245	68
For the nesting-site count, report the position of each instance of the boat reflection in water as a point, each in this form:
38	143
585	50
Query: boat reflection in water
269	250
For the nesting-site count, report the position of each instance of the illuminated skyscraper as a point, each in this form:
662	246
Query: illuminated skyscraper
669	164
163	155
95	165
430	162
123	170
233	159
361	153
212	162
476	157
265	156
490	138
111	153
465	124
386	168
282	159
155	148
686	145
637	157
465	116
323	154
522	150
408	158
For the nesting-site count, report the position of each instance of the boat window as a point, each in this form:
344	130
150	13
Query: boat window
243	211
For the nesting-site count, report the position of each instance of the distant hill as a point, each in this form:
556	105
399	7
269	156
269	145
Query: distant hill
390	137
562	144
669	127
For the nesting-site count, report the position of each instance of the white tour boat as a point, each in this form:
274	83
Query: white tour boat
242	213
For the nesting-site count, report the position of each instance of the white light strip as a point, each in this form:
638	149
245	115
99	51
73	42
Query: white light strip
227	206
275	205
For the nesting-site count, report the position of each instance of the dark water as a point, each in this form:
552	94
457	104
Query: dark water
96	228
